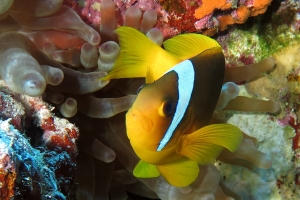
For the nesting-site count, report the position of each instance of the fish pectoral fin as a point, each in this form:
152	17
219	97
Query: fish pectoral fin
180	173
186	46
145	170
205	144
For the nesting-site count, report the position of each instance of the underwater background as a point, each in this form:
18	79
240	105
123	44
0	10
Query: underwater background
63	142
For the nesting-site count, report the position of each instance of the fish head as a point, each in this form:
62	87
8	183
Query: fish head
151	114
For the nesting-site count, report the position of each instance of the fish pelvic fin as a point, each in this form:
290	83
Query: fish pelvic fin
205	144
188	45
145	170
137	53
180	173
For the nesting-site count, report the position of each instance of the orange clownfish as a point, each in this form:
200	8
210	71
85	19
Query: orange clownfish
168	124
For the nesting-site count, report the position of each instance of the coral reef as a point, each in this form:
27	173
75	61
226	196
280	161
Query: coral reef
175	17
58	51
44	166
276	33
232	12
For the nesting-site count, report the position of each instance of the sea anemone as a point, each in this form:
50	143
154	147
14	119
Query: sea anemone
48	50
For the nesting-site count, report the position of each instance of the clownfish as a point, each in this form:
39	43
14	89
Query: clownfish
168	124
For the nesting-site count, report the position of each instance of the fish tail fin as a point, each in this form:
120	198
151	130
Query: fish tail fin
137	53
205	144
188	45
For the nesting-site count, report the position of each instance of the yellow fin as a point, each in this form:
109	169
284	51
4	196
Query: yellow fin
149	76
205	144
180	173
145	170
137	53
188	45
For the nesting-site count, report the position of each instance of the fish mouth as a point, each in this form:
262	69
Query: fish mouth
136	118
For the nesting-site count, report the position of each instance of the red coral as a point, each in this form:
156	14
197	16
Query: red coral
7	176
48	124
59	133
175	17
296	140
247	60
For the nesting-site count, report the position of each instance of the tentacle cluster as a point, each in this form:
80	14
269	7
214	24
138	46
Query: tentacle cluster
45	47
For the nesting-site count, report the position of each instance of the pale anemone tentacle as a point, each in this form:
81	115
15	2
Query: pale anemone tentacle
102	152
229	91
54	76
80	83
18	68
69	56
108	22
73	82
5	6
104	107
148	21
132	17
99	151
208	184
68	20
68	108
49	48
36	8
61	39
246	155
156	36
247	104
108	53
88	55
249	72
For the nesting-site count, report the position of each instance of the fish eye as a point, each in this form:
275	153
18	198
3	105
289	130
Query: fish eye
167	108
140	88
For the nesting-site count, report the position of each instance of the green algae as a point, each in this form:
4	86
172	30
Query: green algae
263	38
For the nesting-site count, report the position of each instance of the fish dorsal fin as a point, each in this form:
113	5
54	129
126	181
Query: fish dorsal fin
149	75
179	173
145	170
188	45
137	53
205	144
